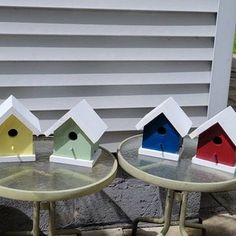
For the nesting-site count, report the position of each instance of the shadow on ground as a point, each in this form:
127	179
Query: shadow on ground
12	219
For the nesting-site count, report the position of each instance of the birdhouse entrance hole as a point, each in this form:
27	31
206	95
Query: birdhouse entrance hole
12	133
161	130
72	136
217	140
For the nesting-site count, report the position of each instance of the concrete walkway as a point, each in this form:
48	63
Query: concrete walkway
218	212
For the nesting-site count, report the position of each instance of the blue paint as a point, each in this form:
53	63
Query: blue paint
160	134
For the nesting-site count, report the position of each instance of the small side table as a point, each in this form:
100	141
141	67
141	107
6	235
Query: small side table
179	178
44	183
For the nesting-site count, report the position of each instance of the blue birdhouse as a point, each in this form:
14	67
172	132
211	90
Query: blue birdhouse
161	135
163	131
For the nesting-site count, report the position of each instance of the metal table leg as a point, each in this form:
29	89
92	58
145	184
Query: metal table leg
36	218
166	219
182	216
51	218
168	211
183	223
183	199
52	231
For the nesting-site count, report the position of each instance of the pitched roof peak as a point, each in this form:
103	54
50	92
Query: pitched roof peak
226	119
86	118
12	106
172	112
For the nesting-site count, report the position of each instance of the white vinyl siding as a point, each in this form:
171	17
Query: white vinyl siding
123	57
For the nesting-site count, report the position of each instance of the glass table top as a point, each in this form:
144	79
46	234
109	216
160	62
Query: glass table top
181	175
44	180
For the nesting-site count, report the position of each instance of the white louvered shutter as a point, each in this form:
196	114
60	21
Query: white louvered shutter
123	57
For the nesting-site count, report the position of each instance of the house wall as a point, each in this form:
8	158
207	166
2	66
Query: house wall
124	57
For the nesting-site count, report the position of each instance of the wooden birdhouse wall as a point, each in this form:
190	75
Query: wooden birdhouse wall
215	145
160	135
70	141
15	138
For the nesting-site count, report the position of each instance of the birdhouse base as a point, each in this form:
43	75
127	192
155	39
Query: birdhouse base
159	154
77	162
19	158
217	166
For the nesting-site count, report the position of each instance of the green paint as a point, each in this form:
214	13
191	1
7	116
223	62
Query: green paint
79	148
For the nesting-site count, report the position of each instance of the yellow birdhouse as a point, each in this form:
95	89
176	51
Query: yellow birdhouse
17	126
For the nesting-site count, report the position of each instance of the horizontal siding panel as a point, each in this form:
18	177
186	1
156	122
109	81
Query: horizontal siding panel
105	23
32	48
131	113
111	140
29	74
108	97
106	30
121	113
83	54
104	42
151	5
134	101
128	124
123	124
121	119
26	80
103	91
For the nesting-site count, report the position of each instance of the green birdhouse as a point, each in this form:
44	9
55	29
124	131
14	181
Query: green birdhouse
76	136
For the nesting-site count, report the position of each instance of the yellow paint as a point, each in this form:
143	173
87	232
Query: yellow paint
21	144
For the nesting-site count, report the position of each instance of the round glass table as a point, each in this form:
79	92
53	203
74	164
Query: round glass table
179	178
44	183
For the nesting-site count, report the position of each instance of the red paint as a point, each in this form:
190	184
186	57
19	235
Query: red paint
215	145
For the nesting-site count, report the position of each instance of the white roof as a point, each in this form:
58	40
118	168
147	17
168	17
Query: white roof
173	113
86	118
12	106
226	119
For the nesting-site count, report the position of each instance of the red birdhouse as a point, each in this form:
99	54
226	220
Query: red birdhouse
216	143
